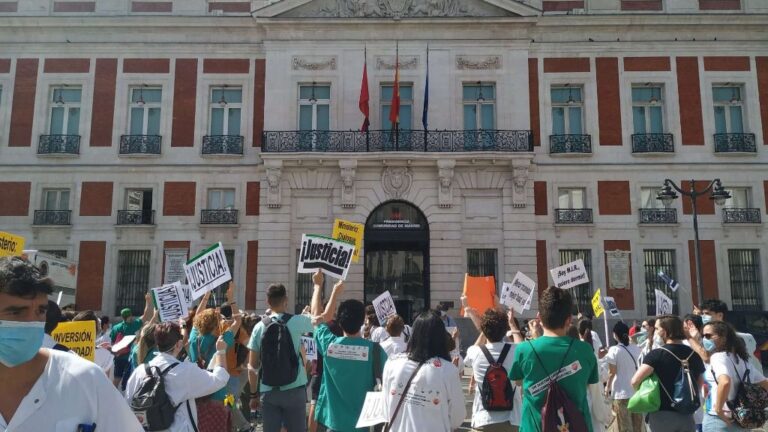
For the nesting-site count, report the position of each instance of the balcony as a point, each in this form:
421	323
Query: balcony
449	141
218	217
135	217
653	143
573	216
140	144
570	144
223	145
658	216
735	143
741	216
52	217
59	145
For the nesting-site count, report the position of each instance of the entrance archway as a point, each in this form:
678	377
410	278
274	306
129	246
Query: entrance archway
397	257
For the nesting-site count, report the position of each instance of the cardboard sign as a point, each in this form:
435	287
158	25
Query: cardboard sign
373	410
663	304
170	302
597	305
479	291
570	275
310	348
331	256
610	304
10	245
385	307
349	232
78	336
123	344
517	294
186	294
207	270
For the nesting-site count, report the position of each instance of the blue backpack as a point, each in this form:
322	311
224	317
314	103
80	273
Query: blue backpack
684	397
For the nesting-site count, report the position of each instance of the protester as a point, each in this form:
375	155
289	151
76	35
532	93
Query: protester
373	330
127	327
665	362
103	340
53	317
646	339
729	363
692	327
622	364
184	381
434	400
443	309
395	343
715	310
534	361
143	348
44	389
590	336
237	355
102	356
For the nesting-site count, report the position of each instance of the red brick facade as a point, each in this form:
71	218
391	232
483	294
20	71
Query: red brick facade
14	197
90	275
179	199
96	199
613	198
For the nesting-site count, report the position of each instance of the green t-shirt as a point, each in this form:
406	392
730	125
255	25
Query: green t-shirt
207	348
579	368
297	326
348	373
125	329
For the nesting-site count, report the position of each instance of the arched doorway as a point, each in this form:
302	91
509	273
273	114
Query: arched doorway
397	256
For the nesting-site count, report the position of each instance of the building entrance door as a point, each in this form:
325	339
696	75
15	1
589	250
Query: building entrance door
397	257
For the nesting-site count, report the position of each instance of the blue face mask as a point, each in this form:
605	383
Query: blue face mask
709	345
20	341
641	337
706	319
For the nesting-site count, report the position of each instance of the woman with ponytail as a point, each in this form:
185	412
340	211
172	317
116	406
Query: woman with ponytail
622	365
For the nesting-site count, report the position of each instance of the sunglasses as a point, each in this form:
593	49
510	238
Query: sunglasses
708	335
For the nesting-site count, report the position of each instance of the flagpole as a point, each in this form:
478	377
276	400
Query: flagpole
397	88
367	129
425	113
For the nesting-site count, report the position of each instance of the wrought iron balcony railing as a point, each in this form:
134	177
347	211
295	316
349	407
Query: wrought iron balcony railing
573	216
135	217
658	216
653	143
398	140
223	145
735	143
570	144
52	217
59	144
218	217
140	144
741	215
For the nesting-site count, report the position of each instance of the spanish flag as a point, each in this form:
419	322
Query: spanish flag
394	109
363	101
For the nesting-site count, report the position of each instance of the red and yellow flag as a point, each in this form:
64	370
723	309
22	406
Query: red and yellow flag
394	110
364	97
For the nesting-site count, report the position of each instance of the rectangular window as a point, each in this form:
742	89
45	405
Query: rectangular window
648	198
226	105
482	262
406	106
582	294
479	102
138	199
741	198
729	109
746	287
567	110
659	260
648	109
571	198
221	199
314	107
146	103
65	111
219	294
132	280
55	199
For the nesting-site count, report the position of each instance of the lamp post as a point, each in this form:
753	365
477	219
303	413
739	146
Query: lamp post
718	195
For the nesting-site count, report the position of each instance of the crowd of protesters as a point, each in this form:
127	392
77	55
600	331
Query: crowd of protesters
221	369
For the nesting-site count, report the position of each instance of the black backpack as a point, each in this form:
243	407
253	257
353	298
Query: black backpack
279	362
559	412
151	404
496	392
685	397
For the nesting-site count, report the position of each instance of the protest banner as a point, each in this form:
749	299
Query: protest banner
597	305
123	344
207	270
187	295
385	307
373	410
570	275
331	256
11	245
479	291
170	302
613	309
78	336
310	348
663	304
516	294
349	232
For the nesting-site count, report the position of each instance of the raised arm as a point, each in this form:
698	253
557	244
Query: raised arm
330	308
203	303
517	335
316	306
236	315
148	307
470	313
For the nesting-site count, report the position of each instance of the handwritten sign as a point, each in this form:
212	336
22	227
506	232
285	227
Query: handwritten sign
349	232
610	304
310	348
597	305
207	270
11	245
170	302
331	256
385	307
517	294
663	304
570	275
373	410
78	336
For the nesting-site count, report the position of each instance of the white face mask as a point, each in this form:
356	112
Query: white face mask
657	340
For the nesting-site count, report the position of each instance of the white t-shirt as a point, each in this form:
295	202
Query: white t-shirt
624	358
596	342
379	334
479	364
722	363
435	400
71	391
394	345
106	361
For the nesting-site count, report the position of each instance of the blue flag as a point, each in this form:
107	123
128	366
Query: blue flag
425	112
671	283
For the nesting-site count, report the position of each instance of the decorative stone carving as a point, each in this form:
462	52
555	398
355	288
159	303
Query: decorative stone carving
478	62
520	169
389	62
274	189
396	181
445	183
395	9
348	190
314	63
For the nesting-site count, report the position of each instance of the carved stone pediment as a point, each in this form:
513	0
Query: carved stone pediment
389	62
404	9
313	63
473	62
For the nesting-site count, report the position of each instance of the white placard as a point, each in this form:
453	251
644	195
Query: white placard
170	302
385	307
186	295
373	410
207	271
663	304
310	348
124	343
611	307
570	275
517	294
331	256
174	265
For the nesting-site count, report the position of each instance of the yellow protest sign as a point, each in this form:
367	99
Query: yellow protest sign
78	336
349	232
597	305
11	245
